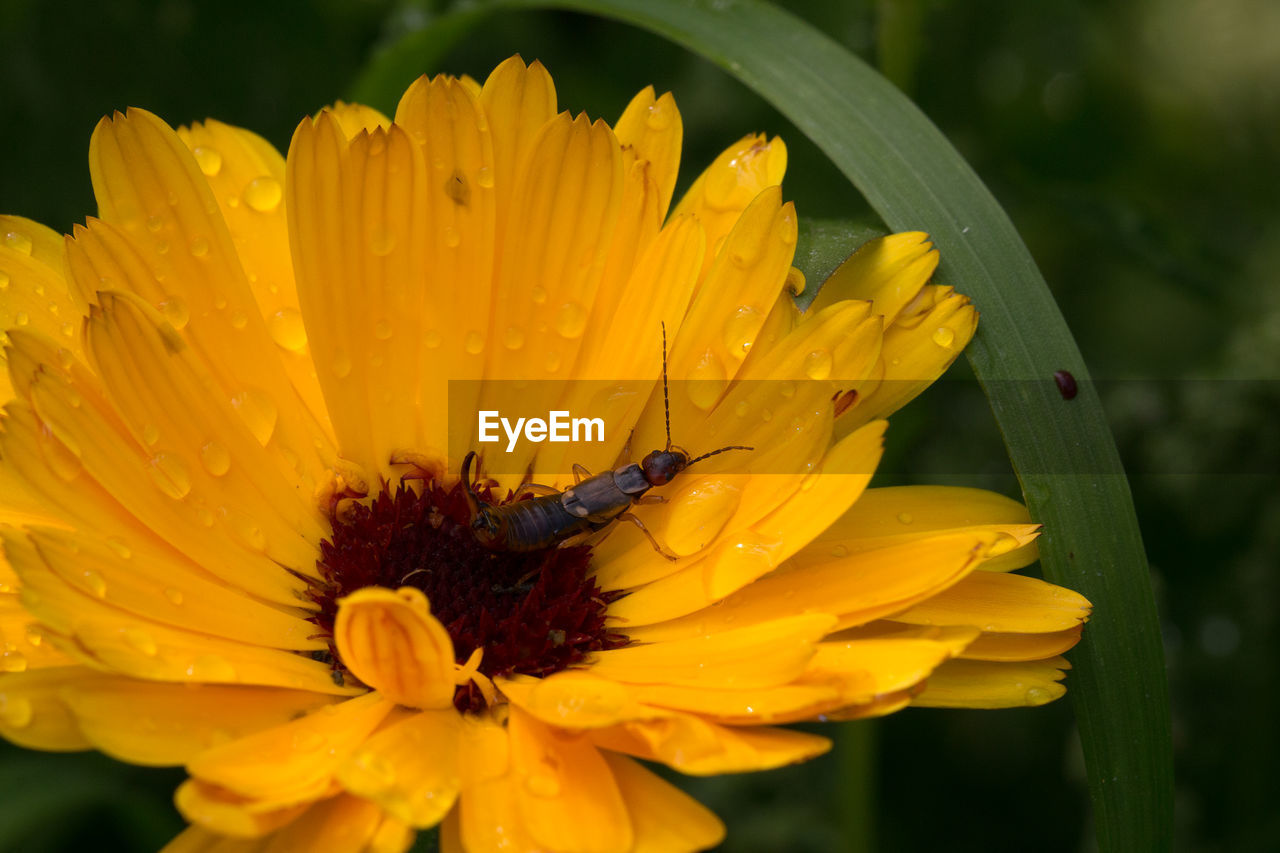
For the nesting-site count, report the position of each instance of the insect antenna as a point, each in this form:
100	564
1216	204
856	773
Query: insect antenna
666	400
720	450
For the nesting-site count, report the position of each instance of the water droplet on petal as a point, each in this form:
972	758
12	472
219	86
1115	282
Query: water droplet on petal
263	194
513	338
258	411
571	321
170	474
141	641
21	318
239	320
741	409
552	363
484	177
155	223
817	364
288	330
216	458
707	380
839	551
18	241
121	550
175	310
150	434
211	668
451	237
200	247
94	582
1037	696
382	329
538	294
474	343
376	770
431	339
208	159
741	329
905	517
175	596
944	337
341	364
698	513
4	280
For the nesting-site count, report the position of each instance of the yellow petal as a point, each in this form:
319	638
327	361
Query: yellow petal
651	126
663	817
1022	647
886	515
354	118
356	210
42	244
866	669
32	713
890	271
984	684
759	656
166	589
780	704
229	814
1000	602
34	299
341	824
565	792
698	747
410	768
164	239
390	641
731	183
295	761
575	699
444	118
917	350
857	588
247	176
160	724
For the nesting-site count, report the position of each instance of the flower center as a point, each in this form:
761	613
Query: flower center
533	613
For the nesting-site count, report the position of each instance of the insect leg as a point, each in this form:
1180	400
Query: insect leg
652	499
652	541
536	489
473	500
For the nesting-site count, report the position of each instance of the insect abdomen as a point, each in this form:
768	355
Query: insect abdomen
540	523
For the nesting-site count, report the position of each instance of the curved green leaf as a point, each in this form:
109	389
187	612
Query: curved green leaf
1062	450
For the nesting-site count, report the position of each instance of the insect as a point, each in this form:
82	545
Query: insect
1066	384
594	501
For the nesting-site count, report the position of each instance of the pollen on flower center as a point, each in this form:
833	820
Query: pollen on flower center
533	613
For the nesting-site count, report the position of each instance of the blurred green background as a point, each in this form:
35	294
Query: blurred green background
1137	148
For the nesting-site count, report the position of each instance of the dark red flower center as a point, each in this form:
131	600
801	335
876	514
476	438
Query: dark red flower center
533	613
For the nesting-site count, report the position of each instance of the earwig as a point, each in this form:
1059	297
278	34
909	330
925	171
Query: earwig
594	501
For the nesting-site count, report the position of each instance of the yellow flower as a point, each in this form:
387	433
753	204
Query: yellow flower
236	538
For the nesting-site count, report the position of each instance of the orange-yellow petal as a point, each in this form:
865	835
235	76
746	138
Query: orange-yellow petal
663	818
987	684
890	271
32	713
1002	602
390	641
410	768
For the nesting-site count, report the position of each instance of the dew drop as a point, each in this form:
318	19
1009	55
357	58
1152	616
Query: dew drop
4	280
208	159
474	343
200	247
21	318
34	637
120	549
13	661
341	364
741	409
944	337
205	516
288	330
382	329
376	770
787	389
239	320
905	517
660	116
431	339
484	177
817	364
538	294
141	641
216	458
382	240
16	711
170	474
94	582
155	223
571	321
258	410
451	237
839	551
174	595
698	513
513	338
252	535
175	310
18	241
766	415
552	363
1037	696
150	434
263	194
211	668
707	380
740	330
